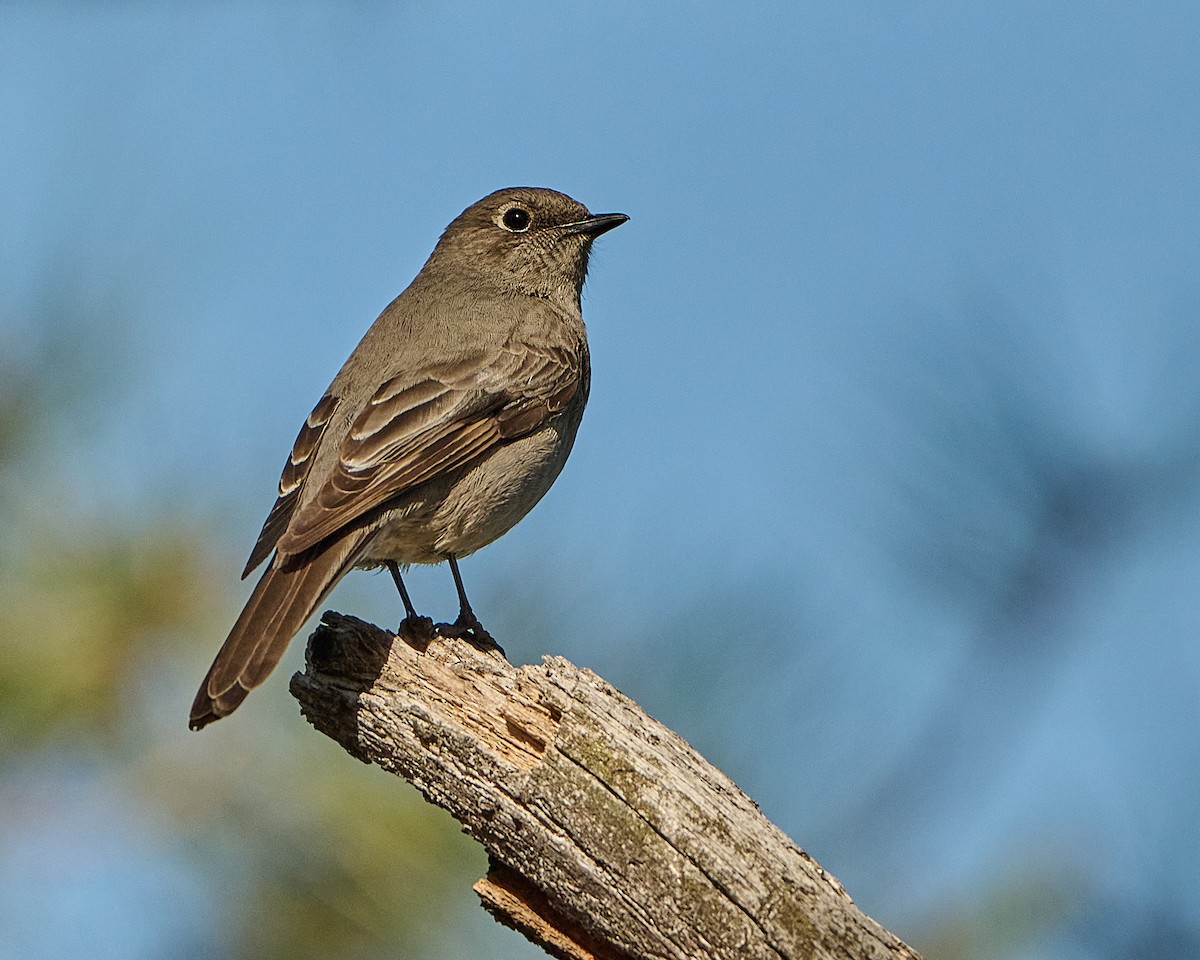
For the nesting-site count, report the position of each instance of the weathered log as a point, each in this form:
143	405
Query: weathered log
608	835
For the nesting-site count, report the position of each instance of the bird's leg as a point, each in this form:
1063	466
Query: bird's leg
467	626
413	629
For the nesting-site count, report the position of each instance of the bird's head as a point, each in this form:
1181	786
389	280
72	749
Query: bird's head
529	240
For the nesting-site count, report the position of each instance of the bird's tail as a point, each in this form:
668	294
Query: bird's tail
284	598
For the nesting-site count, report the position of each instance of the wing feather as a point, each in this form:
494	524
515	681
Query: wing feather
414	431
295	472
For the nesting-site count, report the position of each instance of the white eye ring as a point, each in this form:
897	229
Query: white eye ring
516	219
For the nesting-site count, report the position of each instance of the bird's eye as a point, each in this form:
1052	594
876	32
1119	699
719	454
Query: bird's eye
516	219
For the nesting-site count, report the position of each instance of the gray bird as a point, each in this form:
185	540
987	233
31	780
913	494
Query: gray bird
449	421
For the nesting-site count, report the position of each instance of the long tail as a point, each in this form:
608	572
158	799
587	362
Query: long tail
284	598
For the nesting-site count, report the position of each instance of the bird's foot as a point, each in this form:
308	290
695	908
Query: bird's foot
417	631
467	627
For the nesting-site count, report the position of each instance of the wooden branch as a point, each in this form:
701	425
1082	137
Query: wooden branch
608	835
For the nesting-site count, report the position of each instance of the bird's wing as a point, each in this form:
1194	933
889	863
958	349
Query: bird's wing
416	429
295	472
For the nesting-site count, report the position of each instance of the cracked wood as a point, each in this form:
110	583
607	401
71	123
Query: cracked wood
608	835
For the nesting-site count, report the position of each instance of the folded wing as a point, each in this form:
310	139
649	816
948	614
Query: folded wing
416	429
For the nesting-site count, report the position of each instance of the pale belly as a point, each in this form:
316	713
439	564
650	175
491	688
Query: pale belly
459	515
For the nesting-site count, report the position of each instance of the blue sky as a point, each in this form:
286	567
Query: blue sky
892	273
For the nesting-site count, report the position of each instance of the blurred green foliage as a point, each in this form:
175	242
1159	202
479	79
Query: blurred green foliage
109	618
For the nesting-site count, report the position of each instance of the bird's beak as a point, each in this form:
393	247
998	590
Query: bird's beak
594	226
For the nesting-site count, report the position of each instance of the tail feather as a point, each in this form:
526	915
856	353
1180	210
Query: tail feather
286	595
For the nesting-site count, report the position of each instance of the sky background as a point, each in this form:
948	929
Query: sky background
886	495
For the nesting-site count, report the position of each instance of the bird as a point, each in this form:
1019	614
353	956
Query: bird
448	422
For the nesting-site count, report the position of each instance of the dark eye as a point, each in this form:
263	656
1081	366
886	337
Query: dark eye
516	219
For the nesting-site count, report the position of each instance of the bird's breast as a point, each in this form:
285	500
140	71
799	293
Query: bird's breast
480	503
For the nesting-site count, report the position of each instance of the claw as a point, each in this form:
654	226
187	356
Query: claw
417	631
467	627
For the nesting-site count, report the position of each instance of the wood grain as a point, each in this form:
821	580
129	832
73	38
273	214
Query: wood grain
608	835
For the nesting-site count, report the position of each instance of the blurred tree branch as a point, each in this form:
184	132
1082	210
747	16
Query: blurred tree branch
608	835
